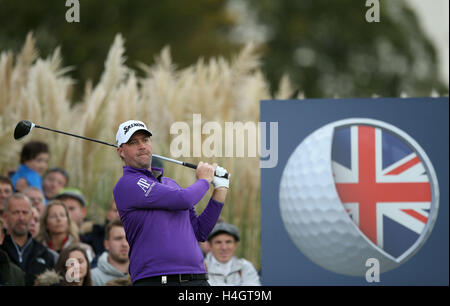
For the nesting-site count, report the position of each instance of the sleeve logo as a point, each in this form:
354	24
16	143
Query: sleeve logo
145	186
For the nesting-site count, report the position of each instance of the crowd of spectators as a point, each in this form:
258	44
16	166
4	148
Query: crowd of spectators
46	240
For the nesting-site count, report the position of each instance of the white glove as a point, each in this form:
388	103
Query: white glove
221	181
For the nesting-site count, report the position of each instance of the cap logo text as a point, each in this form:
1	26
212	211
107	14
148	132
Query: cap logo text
127	128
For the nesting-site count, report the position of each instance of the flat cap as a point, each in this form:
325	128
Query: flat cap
72	193
226	228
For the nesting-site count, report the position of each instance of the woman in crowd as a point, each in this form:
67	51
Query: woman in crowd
57	230
74	267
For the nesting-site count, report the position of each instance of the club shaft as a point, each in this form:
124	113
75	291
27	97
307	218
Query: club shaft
169	159
78	136
189	165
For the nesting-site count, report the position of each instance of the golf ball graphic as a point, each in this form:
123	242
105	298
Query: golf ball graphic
357	189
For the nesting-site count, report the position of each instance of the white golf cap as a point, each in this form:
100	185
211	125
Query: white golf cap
127	129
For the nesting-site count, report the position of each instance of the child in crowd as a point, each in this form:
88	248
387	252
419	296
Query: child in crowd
33	163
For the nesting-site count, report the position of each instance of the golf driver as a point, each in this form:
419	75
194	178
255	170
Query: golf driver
24	127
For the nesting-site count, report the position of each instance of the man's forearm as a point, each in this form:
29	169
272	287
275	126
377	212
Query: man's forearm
220	194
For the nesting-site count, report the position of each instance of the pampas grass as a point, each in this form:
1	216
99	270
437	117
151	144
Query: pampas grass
221	91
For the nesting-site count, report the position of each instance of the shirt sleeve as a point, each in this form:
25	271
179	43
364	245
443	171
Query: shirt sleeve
34	180
138	193
204	224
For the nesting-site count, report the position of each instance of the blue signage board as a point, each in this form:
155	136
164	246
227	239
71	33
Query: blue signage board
358	194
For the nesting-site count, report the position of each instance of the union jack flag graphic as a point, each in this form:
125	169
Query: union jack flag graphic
383	185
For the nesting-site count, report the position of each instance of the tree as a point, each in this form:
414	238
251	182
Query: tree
328	48
192	29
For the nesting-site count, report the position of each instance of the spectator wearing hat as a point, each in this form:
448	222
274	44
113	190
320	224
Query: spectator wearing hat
53	182
90	233
225	269
75	203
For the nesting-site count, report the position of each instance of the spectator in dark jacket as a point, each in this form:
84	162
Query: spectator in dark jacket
2	230
94	234
28	254
10	274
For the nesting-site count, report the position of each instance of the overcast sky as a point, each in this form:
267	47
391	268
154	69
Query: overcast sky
433	15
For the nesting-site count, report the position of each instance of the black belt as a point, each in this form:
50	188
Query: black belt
173	278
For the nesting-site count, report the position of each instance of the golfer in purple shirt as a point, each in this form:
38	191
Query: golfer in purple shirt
161	225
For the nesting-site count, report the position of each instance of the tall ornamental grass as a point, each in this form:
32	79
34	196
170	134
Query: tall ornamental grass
40	90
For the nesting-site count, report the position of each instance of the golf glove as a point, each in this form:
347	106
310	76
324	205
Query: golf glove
221	181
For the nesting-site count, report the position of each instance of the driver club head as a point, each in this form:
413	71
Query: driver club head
23	128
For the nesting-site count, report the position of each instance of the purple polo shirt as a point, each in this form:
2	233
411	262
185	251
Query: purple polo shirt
160	222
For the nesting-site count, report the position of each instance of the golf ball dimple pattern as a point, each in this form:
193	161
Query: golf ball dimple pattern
314	216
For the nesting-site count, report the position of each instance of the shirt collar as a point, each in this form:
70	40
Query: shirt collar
223	267
156	172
